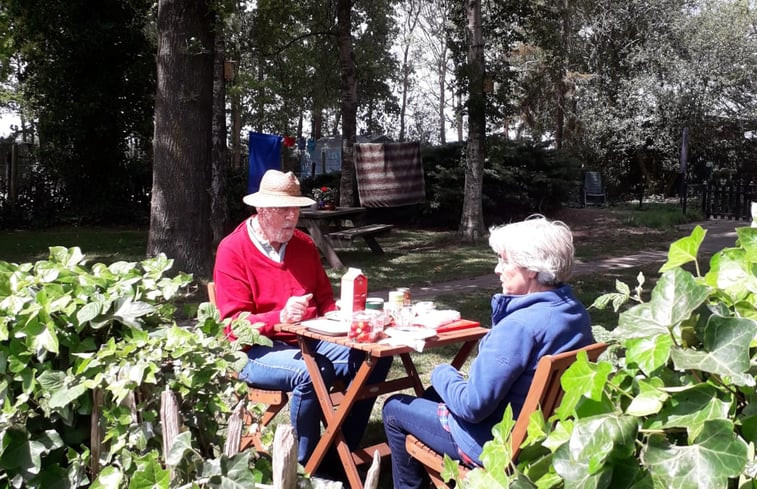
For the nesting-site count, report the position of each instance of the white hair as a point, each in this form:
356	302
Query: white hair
537	244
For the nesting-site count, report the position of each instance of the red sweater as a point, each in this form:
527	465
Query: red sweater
247	280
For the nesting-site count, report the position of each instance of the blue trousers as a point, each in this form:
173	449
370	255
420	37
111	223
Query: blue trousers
282	367
403	415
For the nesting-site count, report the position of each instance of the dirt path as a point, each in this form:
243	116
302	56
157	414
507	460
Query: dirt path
720	234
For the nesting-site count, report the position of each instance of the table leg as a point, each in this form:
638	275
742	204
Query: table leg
463	353
323	244
412	373
334	415
373	245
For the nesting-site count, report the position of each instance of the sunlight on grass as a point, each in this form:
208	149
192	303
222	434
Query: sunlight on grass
416	258
658	215
98	244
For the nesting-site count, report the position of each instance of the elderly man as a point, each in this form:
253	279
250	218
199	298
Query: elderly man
271	270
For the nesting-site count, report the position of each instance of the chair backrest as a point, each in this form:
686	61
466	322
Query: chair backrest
593	183
546	391
212	292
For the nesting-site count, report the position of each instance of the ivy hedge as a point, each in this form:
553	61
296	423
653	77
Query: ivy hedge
78	339
673	405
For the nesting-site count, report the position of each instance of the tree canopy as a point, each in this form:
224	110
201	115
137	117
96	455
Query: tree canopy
612	85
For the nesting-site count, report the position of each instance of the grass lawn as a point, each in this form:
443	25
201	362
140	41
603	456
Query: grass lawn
100	244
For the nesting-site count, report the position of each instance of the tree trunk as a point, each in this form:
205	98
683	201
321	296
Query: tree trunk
405	88
559	109
180	207
459	117
442	101
316	130
349	102
411	21
472	219
236	125
219	212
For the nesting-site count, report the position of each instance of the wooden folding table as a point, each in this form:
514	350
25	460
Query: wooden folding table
336	406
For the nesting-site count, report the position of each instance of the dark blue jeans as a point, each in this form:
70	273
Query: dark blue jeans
281	367
405	415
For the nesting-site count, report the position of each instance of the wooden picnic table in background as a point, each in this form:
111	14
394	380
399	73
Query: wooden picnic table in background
342	224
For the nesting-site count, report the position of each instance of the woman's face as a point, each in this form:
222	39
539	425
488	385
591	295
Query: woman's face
515	280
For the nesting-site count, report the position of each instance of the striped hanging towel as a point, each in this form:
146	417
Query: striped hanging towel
389	174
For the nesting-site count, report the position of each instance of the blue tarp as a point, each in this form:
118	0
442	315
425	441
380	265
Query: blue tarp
265	154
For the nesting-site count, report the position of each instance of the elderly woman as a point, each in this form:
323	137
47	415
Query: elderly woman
535	315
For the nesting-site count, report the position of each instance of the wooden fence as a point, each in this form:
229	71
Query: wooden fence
284	452
725	201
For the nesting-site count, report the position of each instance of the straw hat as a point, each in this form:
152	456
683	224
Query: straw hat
278	189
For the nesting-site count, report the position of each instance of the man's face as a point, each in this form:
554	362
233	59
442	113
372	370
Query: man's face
278	223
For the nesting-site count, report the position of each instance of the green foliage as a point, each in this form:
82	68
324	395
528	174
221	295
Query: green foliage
520	178
77	339
87	75
673	406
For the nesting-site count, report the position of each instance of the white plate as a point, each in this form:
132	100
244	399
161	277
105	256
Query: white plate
326	326
333	315
412	333
336	316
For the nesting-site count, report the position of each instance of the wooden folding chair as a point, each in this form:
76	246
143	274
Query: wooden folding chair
545	392
275	400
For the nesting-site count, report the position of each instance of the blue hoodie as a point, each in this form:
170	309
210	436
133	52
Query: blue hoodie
526	327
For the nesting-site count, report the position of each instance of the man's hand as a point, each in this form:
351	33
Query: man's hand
295	308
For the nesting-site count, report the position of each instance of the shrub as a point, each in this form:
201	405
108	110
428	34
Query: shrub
77	340
677	407
520	178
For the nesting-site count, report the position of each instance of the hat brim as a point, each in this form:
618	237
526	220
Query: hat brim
261	199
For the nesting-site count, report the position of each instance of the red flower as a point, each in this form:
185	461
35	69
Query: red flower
325	189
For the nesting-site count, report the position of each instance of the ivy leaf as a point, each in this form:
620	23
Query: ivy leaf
88	312
46	271
726	350
128	311
716	455
52	380
650	398
730	272
582	379
497	453
537	428
576	474
181	444
476	478
597	438
684	250
748	241
627	473
19	454
559	435
65	396
150	474
235	473
236	466
673	299
109	478
649	353
690	408
68	257
45	340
